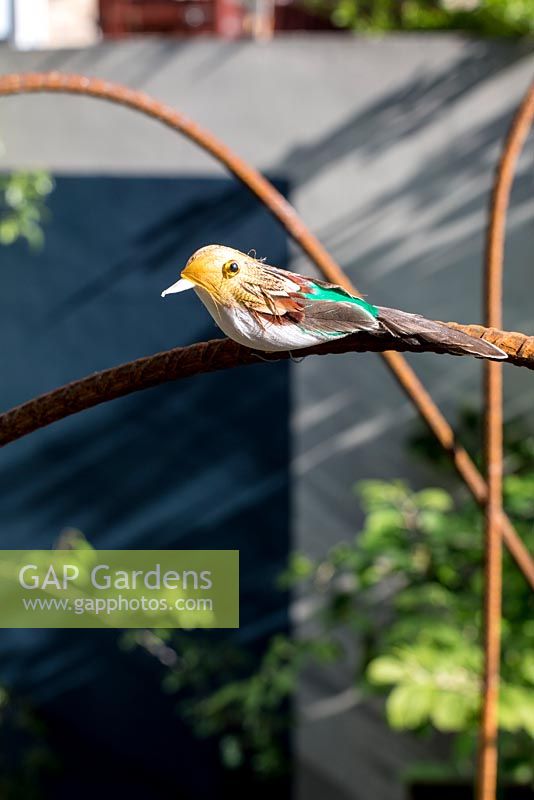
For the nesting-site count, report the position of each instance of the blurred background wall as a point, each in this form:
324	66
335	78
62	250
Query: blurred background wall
387	149
79	23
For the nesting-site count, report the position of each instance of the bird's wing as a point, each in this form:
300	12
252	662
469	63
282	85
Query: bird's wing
337	317
272	291
312	304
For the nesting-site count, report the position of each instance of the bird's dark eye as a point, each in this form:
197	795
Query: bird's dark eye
232	268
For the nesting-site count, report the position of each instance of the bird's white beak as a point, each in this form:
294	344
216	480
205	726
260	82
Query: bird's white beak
180	286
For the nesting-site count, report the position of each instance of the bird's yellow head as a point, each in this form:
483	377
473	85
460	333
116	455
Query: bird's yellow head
229	276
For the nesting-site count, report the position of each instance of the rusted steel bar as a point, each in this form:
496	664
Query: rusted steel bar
285	213
493	447
184	362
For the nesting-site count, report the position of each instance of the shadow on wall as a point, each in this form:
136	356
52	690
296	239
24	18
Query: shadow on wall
194	465
412	171
425	219
405	112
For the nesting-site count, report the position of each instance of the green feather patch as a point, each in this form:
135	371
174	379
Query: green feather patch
337	296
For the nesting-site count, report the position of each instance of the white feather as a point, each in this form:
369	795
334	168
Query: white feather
244	328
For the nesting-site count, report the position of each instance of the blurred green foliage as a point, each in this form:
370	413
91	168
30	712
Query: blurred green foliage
222	693
409	588
23	206
482	17
26	761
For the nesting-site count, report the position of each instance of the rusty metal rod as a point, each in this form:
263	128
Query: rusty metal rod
218	354
285	213
493	447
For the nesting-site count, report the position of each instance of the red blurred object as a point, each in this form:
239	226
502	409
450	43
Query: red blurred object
229	19
122	18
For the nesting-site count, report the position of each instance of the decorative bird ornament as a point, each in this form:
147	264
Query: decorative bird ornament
271	309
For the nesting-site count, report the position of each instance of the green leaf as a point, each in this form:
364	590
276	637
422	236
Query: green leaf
380	494
527	667
433	500
383	520
429	594
385	670
231	752
510	708
516	708
408	706
451	711
299	569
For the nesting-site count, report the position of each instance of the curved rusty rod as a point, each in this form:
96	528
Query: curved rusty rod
284	212
218	354
493	448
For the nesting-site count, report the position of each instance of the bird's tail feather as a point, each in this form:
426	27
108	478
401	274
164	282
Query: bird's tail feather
414	329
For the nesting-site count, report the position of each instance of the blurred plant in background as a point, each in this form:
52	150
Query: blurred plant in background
23	206
483	17
409	589
26	761
223	694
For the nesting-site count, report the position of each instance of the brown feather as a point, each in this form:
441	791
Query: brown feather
337	317
413	328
